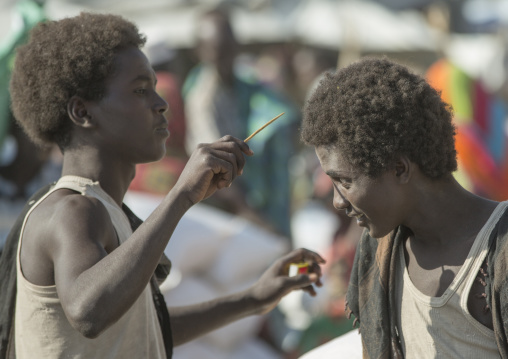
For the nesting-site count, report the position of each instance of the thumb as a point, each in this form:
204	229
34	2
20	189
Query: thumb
300	281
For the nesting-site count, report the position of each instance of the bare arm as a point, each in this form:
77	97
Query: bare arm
190	322
97	286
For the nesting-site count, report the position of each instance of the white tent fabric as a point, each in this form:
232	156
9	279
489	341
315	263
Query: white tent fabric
366	24
348	346
319	22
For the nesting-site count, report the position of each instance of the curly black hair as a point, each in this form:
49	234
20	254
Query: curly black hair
72	56
374	110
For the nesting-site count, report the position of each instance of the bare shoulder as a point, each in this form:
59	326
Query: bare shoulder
65	223
66	210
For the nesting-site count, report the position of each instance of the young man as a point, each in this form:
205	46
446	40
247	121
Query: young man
83	269
429	279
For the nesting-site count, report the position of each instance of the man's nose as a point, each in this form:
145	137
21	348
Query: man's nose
160	105
339	200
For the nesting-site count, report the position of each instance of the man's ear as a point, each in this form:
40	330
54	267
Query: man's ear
403	169
77	111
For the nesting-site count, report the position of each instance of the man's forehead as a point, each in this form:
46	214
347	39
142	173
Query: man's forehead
133	64
331	159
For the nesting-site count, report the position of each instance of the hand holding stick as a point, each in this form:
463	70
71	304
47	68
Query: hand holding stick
259	129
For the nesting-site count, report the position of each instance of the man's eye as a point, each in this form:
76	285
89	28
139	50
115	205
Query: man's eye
140	91
344	184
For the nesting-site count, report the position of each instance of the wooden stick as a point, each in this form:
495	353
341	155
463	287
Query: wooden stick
259	129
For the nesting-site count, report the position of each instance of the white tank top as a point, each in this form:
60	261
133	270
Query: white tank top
41	327
442	327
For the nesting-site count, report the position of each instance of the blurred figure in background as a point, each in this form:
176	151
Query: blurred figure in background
219	100
309	64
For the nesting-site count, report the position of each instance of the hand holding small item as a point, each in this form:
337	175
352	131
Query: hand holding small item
275	282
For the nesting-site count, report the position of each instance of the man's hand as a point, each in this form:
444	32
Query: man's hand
275	282
211	167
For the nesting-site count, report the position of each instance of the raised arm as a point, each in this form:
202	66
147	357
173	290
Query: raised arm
97	282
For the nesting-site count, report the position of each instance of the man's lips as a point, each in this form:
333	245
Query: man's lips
360	217
162	125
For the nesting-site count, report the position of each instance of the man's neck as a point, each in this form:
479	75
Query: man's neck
113	176
447	213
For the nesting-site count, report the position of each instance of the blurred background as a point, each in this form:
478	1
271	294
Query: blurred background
227	67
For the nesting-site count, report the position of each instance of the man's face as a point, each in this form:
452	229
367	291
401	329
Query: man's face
375	203
130	116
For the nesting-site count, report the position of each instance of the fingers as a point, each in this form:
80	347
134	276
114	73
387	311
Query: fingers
304	282
301	255
211	167
316	268
230	149
224	166
243	146
275	283
238	148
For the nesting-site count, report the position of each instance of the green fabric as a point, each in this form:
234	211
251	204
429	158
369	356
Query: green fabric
322	330
370	296
30	14
461	88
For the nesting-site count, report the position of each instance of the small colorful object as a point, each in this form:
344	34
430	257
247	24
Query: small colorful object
298	268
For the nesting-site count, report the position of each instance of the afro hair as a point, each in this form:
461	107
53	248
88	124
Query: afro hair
375	110
72	56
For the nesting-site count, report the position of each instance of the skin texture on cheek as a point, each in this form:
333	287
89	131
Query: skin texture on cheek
131	114
376	199
371	201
